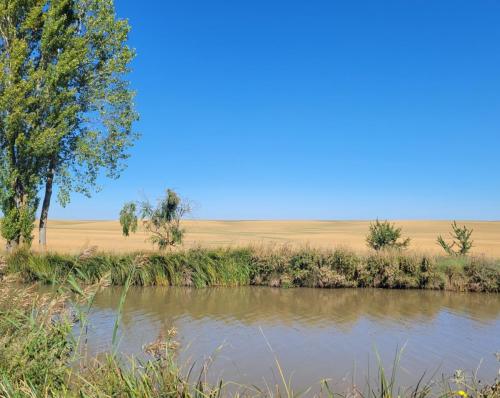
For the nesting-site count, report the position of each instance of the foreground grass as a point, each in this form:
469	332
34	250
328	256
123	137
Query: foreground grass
38	354
275	267
40	357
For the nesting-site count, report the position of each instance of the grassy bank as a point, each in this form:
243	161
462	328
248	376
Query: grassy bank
40	357
275	267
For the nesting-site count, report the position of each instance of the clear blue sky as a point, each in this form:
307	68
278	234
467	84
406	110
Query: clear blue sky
314	109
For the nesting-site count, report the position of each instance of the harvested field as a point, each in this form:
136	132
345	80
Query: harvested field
71	236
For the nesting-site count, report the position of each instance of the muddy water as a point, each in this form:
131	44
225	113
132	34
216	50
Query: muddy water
315	333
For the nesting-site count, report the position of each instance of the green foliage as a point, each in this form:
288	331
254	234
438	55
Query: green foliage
251	266
384	235
346	263
461	239
162	221
67	109
34	348
482	276
16	226
128	218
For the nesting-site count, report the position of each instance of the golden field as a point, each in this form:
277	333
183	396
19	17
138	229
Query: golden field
73	236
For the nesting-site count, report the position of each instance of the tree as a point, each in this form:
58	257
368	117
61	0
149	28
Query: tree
128	218
385	235
461	238
161	222
66	109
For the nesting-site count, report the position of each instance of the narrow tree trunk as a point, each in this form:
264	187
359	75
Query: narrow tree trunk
42	229
12	245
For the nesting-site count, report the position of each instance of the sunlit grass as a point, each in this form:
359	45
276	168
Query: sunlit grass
275	266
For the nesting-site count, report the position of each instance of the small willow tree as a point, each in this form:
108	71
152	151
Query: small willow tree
162	222
128	218
66	109
461	240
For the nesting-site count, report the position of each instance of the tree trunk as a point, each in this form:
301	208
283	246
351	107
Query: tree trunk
42	229
12	245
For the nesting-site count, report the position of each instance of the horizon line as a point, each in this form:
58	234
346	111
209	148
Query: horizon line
294	219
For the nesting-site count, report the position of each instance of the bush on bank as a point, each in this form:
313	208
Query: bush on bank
275	267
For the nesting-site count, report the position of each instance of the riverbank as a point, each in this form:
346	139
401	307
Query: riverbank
42	357
263	266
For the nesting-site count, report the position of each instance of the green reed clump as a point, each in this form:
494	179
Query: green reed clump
48	268
108	378
267	266
38	357
34	343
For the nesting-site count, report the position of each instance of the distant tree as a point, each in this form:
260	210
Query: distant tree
162	221
461	239
66	109
128	218
384	235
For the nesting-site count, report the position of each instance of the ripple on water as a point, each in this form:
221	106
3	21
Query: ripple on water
316	333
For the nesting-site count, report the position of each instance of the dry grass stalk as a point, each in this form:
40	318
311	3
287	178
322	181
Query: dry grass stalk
164	345
87	253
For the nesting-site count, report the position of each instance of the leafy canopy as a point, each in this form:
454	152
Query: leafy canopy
384	235
162	221
66	109
128	218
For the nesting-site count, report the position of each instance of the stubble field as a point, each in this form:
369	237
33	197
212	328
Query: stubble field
73	236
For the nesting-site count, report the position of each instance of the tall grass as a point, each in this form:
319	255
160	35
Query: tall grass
275	267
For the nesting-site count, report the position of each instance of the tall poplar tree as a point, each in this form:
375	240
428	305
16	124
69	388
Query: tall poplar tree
66	109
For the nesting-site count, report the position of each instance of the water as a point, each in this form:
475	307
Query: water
315	333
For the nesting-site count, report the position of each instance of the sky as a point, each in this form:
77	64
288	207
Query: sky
270	109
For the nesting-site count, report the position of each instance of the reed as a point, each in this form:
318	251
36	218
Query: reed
269	266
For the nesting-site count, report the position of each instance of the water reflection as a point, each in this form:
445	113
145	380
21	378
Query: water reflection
314	307
316	333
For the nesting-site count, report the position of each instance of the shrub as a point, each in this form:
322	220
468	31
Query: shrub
429	276
301	264
345	262
384	235
266	263
461	240
392	269
482	275
327	278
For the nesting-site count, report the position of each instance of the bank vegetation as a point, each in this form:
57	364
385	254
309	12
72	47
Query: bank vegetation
277	266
